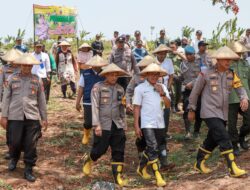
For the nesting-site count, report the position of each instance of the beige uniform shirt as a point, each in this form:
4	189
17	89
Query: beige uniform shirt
24	97
107	106
189	72
215	88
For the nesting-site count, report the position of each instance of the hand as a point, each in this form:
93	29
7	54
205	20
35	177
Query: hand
4	122
191	116
78	107
189	86
138	132
129	107
44	125
98	131
244	105
159	89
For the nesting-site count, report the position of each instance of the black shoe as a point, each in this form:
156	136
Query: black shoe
28	175
12	165
243	143
7	156
236	149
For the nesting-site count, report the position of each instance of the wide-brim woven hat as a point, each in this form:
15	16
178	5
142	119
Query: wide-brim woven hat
161	48
97	61
85	45
26	59
113	68
225	53
146	61
11	55
153	68
64	43
237	47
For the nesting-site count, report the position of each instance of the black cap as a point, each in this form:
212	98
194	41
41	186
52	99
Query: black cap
202	43
139	42
199	32
120	39
162	31
38	43
137	32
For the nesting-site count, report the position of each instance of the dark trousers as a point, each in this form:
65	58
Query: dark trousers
46	86
217	135
123	81
87	117
198	120
155	141
115	138
140	142
24	135
72	86
234	110
177	90
166	118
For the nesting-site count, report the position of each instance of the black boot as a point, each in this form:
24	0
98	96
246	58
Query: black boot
236	149
243	143
7	156
202	156
28	174
142	168
12	165
117	169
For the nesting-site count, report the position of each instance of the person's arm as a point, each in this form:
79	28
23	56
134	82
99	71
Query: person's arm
74	63
95	102
129	94
42	105
5	105
137	110
1	83
111	59
80	93
134	67
47	63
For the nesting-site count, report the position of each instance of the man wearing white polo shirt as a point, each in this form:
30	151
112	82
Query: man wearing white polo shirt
43	70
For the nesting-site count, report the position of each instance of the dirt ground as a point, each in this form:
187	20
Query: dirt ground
60	158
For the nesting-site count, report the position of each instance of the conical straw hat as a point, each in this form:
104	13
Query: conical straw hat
64	43
225	53
11	55
85	45
26	59
153	68
113	68
97	61
161	48
237	47
146	61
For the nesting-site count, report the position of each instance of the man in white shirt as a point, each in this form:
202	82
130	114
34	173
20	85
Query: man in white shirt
150	99
198	38
167	65
43	70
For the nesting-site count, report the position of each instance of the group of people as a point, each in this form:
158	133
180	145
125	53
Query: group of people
213	87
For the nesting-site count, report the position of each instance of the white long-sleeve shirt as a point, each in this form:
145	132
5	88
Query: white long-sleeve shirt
44	67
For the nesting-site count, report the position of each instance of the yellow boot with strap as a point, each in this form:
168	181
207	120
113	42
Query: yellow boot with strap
117	169
234	170
87	165
202	156
86	136
159	180
142	168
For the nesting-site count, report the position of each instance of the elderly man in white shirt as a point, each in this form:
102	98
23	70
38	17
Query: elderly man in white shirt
43	70
150	99
196	41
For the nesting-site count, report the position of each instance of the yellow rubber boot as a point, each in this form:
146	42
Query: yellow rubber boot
87	165
234	170
117	168
202	156
86	136
159	180
142	168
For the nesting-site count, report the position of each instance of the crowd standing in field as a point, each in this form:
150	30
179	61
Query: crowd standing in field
211	87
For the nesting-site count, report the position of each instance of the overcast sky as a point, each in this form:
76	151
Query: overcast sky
126	16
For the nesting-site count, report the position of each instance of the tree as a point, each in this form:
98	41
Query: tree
227	5
187	31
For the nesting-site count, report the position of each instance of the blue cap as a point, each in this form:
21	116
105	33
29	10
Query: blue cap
189	49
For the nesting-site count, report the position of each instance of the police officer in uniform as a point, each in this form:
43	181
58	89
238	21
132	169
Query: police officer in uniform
24	105
190	70
242	69
123	57
97	46
88	78
108	120
215	86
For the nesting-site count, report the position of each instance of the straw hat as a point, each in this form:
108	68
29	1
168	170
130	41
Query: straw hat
11	55
64	43
85	45
161	48
225	53
146	61
97	61
153	68
237	47
26	59
113	68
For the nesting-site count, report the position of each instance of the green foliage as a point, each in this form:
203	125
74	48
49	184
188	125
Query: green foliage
187	31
